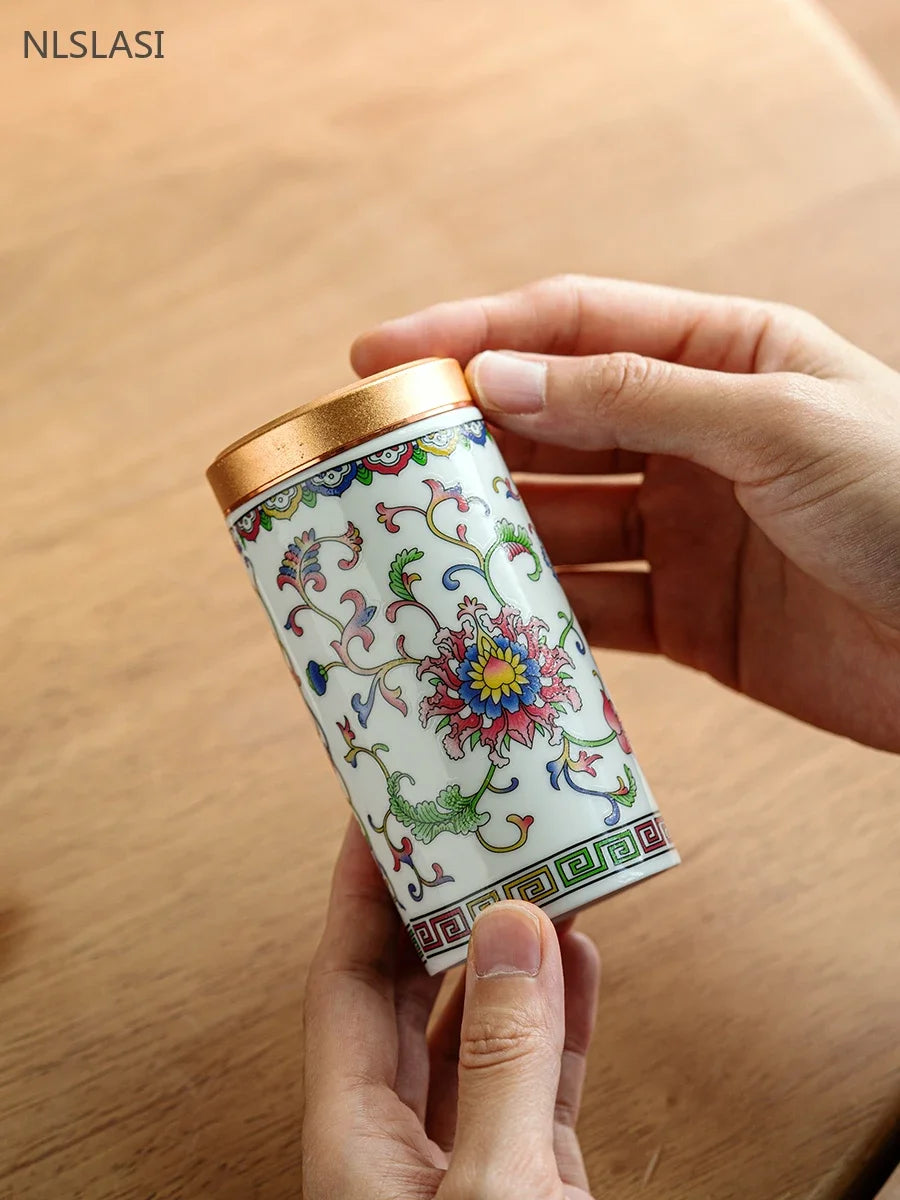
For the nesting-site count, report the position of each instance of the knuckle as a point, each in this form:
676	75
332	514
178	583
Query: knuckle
565	280
802	395
621	376
565	1112
563	294
320	981
553	289
791	317
493	1040
779	312
801	404
794	338
811	429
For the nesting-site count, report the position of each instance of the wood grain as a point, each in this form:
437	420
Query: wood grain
188	248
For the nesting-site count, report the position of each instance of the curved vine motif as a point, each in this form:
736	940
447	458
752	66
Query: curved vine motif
513	540
567	765
569	627
301	570
450	811
495	679
507	485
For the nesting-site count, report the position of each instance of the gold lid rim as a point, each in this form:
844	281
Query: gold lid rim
267	487
334	424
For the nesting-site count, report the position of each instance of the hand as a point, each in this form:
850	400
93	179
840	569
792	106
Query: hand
769	505
486	1107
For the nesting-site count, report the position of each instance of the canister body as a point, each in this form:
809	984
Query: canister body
450	682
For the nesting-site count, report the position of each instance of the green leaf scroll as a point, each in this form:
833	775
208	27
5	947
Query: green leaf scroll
400	582
627	797
516	540
449	812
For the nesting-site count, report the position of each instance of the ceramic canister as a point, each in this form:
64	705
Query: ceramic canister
438	655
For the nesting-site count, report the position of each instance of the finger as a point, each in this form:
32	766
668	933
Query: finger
542	458
748	428
562	925
350	991
511	1042
414	997
614	608
574	314
581	972
595	522
444	1055
440	1121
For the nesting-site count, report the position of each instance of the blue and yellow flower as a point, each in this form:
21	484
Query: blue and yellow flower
496	681
496	675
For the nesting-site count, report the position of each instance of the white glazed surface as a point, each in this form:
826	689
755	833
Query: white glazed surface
481	603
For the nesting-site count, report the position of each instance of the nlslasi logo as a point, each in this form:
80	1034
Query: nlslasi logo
88	43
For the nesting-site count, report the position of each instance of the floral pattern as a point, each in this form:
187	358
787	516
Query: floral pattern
392	460
496	680
336	480
420	618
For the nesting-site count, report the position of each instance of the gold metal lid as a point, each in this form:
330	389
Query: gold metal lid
333	424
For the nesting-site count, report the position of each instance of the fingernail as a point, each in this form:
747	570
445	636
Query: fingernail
507	382
506	940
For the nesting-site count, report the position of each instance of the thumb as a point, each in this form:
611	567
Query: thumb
511	1043
747	428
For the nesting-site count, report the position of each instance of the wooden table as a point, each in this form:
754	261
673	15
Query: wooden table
188	247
